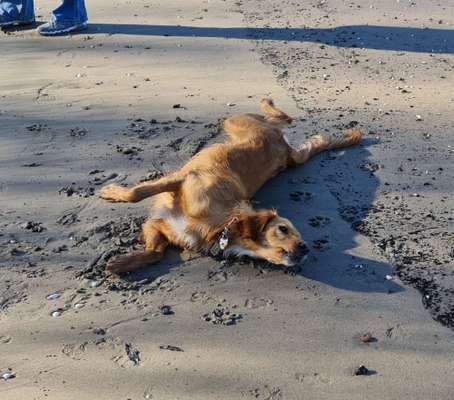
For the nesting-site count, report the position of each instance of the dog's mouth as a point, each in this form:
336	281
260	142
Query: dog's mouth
292	259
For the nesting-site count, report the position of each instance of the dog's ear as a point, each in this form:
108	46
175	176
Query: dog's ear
252	225
263	218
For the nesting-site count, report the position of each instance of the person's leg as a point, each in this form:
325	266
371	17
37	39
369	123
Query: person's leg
16	12
72	11
70	16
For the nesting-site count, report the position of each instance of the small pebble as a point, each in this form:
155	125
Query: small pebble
366	338
361	370
8	375
166	310
99	331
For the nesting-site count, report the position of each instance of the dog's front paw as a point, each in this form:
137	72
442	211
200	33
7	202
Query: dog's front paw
114	193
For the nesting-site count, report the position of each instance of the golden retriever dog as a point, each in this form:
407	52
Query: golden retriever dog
204	205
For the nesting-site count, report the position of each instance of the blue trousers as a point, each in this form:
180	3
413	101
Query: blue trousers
23	10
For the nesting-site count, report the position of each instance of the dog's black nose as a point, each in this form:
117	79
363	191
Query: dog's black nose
303	249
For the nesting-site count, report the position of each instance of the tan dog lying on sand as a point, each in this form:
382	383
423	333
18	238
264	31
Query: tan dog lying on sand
204	205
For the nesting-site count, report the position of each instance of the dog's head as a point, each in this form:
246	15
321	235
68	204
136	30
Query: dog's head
275	238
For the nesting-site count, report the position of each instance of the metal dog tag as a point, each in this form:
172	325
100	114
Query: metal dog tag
219	245
223	242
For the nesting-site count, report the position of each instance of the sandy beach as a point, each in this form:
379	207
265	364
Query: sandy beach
136	96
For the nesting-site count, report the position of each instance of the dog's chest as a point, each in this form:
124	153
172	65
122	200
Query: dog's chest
179	226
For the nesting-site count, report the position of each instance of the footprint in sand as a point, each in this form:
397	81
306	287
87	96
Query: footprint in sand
122	353
74	351
258	302
202	297
148	393
312	378
266	393
5	339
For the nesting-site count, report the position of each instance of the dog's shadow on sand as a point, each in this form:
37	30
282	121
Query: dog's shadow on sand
327	200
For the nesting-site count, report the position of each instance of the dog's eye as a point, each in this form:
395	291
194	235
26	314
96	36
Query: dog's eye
283	229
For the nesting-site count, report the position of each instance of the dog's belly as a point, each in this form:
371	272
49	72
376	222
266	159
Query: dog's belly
211	195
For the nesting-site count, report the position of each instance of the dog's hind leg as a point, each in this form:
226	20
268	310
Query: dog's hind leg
246	126
155	242
117	193
319	143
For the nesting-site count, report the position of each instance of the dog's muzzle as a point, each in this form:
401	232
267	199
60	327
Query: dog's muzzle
300	253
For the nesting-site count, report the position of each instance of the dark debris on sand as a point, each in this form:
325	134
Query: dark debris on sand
132	353
221	315
117	237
